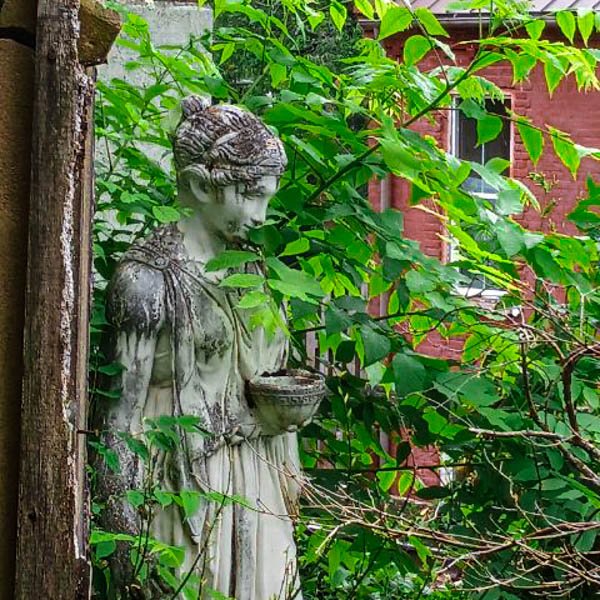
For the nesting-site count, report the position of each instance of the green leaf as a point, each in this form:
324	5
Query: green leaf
479	392
346	351
104	549
535	28
98	536
394	20
111	369
190	502
532	138
227	53
138	447
135	498
387	478
242	280
546	266
430	22
336	320
586	540
415	49
435	421
510	238
399	159
423	552
405	483
253	299
488	128
189	423
565	150
419	282
554	74
170	556
109	456
509	202
376	346
166	214
299	246
585	23
409	374
338	14
522	64
292	282
365	7
230	259
565	19
278	73
163	498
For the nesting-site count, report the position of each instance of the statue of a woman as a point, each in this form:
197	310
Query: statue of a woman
188	350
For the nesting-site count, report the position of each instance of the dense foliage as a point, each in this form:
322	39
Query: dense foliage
515	418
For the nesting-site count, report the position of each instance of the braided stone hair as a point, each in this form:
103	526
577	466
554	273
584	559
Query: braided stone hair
224	144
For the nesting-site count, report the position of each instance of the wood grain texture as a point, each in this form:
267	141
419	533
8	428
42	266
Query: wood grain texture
51	545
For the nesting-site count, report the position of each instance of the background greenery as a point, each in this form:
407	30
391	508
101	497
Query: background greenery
515	418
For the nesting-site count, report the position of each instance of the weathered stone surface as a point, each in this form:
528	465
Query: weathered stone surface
18	13
16	99
99	29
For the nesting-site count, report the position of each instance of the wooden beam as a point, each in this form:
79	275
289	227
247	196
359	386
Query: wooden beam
52	554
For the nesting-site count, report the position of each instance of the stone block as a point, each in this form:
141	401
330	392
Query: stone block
99	28
18	13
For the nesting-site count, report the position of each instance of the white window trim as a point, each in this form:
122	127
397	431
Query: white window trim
453	254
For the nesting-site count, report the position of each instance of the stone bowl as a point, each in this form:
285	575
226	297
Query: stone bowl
286	400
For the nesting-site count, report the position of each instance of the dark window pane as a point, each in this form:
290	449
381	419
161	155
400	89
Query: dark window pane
466	136
465	145
467	139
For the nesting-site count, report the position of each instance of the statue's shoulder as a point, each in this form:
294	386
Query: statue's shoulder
136	292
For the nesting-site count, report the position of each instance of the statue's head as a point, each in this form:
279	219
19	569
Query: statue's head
228	165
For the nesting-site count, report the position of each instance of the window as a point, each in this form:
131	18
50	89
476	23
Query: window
463	144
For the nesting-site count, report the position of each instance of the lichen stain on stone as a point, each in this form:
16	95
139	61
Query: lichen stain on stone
100	27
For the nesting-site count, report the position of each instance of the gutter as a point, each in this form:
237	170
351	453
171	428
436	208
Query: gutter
451	20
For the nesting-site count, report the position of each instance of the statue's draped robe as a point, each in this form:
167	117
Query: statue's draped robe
188	351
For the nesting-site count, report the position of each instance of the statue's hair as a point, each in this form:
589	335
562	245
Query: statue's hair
225	144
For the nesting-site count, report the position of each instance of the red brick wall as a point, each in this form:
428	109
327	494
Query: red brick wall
568	110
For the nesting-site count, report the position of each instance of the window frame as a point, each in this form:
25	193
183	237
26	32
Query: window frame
473	291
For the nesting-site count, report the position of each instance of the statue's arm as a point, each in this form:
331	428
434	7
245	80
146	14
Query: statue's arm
135	308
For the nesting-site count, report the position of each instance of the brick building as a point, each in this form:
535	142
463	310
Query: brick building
571	111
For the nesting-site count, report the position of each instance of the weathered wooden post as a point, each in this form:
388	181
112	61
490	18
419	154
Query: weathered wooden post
51	543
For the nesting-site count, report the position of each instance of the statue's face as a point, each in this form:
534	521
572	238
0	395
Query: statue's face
240	207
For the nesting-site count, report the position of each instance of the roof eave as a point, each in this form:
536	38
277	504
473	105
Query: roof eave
450	20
